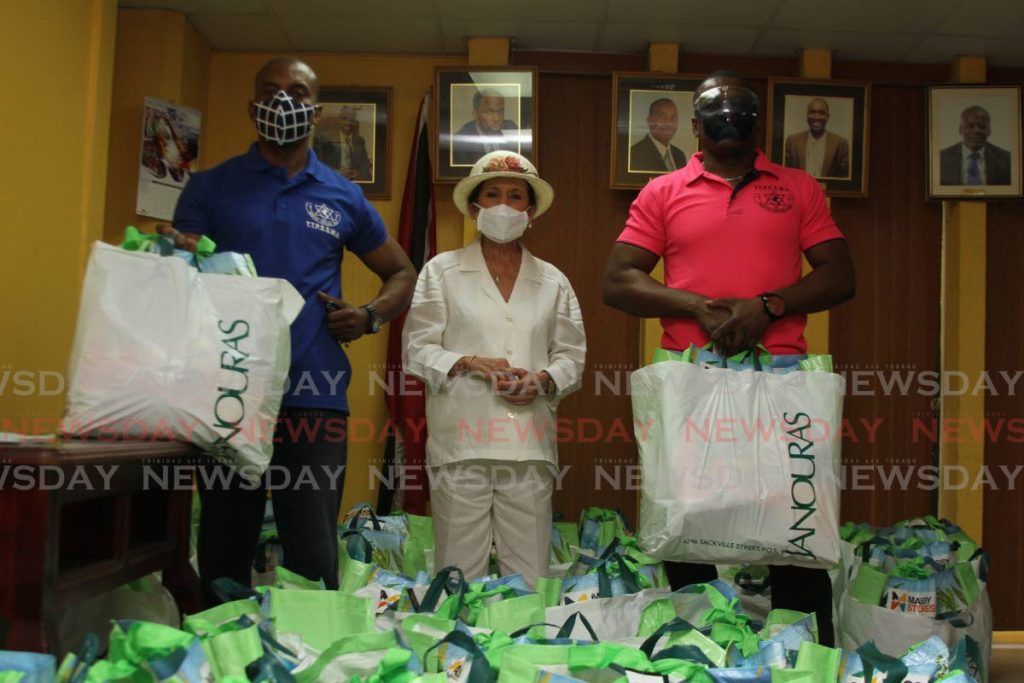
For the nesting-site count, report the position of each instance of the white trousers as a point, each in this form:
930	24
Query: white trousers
477	502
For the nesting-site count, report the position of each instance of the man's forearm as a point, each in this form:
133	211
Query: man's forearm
395	294
638	294
821	289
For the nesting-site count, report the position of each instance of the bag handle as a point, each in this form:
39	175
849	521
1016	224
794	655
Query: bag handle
480	669
741	356
356	551
687	653
374	520
87	654
437	586
228	589
676	625
570	624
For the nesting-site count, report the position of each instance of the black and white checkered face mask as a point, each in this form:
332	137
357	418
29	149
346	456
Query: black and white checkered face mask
283	119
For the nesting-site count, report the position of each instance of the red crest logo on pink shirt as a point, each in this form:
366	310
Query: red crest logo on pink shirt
774	198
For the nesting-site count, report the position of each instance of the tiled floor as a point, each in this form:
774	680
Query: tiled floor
1007	664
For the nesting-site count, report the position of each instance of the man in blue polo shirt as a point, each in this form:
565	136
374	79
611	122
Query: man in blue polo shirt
294	216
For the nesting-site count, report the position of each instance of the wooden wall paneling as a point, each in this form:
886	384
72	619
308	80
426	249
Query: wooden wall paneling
890	329
1004	451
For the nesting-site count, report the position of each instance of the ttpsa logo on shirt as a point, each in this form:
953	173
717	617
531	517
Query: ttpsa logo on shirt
324	218
776	198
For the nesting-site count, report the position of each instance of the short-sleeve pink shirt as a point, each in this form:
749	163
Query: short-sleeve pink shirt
719	243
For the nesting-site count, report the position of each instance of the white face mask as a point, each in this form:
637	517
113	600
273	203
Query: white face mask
502	223
283	119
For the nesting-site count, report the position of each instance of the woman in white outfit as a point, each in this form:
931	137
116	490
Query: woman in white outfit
497	337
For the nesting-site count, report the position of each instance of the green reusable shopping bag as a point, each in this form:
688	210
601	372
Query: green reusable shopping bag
283	578
599	527
682	633
461	659
230	652
821	661
421	631
868	585
223	617
779	619
511	614
793	676
601	656
136	240
139	652
320	617
355	564
421	539
443	583
565	539
475	600
525	663
551	589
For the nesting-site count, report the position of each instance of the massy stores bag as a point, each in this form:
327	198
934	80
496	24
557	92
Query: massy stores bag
163	351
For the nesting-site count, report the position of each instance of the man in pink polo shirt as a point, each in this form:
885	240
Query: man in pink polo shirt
732	227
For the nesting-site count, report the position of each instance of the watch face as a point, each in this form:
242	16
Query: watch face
373	324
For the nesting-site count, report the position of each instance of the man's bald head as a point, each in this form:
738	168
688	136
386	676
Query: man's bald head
290	70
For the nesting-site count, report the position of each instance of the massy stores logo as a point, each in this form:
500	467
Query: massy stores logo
323	214
903	601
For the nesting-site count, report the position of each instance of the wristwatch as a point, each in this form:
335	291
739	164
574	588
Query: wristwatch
374	322
774	305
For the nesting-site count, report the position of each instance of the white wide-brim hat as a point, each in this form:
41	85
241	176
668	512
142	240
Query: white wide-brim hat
503	165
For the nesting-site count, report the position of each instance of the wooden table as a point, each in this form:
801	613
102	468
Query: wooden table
78	518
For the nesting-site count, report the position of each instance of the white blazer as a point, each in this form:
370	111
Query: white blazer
458	311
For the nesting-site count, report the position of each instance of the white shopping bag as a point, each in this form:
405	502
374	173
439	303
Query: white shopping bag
738	466
163	351
611	618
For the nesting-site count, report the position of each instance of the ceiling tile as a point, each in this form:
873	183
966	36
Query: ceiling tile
882	47
890	16
234	31
344	34
938	49
991	19
205	6
631	38
517	10
526	35
925	31
692	12
350	9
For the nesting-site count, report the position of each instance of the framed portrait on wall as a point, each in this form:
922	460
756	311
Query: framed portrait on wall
651	132
482	110
354	136
974	141
822	128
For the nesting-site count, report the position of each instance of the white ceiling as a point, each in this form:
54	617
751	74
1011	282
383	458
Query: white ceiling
916	31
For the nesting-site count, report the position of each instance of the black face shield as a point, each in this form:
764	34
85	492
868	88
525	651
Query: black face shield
728	112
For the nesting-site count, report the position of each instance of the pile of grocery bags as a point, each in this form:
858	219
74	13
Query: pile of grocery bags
604	615
918	579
